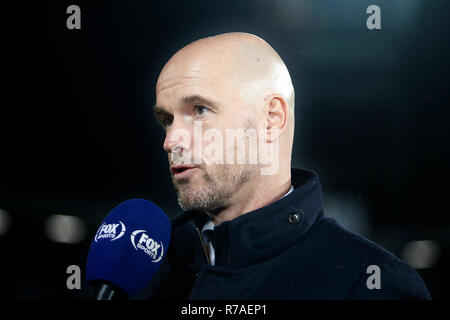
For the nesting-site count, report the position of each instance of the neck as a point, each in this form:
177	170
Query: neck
255	194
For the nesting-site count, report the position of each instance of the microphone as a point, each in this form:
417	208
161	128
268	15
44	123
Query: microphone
127	249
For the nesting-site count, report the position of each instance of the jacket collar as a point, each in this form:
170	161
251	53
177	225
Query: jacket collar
268	231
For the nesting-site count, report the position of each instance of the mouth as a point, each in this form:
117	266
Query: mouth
182	171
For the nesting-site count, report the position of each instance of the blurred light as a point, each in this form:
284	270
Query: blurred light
349	210
291	13
421	254
65	229
5	222
330	15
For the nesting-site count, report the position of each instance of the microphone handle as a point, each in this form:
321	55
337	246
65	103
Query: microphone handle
105	291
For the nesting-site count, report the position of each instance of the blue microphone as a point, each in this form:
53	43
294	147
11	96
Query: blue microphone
127	249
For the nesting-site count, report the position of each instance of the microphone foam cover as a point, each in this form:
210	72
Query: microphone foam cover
129	246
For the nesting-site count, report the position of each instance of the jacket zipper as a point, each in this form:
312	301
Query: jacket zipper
203	245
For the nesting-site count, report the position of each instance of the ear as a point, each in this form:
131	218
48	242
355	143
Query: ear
276	113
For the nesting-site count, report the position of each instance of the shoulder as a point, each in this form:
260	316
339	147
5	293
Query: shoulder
377	272
350	243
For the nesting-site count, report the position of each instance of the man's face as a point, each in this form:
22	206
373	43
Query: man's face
195	92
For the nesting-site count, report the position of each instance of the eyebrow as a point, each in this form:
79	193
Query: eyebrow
189	99
159	110
201	100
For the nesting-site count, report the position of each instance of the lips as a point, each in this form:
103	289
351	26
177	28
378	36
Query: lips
182	171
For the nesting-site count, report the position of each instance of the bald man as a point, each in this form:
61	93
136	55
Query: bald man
253	227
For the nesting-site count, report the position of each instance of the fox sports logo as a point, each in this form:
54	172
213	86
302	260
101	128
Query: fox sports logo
112	231
142	241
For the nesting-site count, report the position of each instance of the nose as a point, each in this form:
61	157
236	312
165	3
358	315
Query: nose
178	139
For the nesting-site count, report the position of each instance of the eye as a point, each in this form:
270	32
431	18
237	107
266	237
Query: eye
166	122
201	110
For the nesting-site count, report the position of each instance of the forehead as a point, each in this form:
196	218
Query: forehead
197	76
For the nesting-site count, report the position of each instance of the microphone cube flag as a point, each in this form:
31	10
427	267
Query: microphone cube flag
129	246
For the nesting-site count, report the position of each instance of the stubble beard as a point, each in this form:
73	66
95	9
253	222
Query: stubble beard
221	183
219	186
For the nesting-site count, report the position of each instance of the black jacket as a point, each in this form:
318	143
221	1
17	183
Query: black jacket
287	250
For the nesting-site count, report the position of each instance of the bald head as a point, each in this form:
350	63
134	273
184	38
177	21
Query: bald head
231	82
243	62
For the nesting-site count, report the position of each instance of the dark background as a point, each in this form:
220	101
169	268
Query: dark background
78	134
